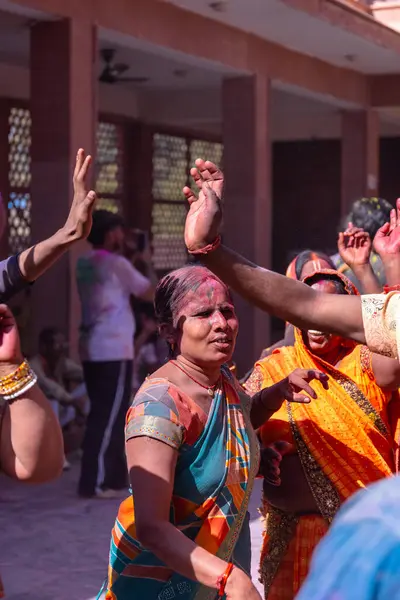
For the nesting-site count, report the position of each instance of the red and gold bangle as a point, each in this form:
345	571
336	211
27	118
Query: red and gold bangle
207	249
221	581
391	288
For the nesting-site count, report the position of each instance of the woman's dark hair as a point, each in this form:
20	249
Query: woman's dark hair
308	256
368	213
171	291
103	222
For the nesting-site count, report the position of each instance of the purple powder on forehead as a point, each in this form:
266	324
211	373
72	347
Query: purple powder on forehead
173	289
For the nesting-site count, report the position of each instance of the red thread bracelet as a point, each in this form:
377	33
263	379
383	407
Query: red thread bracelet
221	581
207	249
391	288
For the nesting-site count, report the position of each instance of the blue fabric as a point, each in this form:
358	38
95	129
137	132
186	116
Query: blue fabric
200	483
359	559
11	279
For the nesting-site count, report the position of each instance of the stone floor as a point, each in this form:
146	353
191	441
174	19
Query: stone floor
54	546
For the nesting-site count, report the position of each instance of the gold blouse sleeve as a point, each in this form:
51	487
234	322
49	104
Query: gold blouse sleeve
381	316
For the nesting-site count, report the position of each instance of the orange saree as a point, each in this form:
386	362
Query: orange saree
345	441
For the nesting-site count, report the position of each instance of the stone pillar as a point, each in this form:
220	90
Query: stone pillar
360	156
248	202
64	116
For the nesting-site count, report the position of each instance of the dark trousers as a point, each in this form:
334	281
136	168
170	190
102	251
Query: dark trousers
109	387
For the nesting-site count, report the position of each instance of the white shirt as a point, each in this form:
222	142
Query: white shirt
106	281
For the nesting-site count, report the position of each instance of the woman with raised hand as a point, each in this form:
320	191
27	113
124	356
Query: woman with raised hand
370	318
19	271
318	454
31	443
192	455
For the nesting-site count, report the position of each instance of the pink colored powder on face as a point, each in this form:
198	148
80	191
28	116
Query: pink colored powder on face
198	292
208	295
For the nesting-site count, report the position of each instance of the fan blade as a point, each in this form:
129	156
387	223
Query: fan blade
107	76
132	79
120	68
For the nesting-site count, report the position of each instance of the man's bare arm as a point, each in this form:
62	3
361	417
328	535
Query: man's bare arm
286	298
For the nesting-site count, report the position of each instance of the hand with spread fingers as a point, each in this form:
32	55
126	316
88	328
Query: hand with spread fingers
203	220
387	239
387	245
354	246
294	388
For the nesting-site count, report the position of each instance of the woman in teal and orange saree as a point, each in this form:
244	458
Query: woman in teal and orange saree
192	458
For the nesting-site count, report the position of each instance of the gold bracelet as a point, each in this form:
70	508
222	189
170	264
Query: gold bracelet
18	382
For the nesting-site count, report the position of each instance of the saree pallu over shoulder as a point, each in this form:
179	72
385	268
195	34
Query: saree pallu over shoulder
344	443
344	430
346	435
213	482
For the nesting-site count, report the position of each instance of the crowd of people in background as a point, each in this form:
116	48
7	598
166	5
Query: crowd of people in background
155	405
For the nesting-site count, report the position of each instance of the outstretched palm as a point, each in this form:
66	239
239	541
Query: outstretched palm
387	239
79	221
204	217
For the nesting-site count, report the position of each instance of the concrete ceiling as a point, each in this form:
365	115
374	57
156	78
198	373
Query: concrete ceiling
280	23
177	80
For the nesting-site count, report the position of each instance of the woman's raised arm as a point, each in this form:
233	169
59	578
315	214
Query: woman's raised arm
278	295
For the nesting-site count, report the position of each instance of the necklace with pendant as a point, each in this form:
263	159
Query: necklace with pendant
210	389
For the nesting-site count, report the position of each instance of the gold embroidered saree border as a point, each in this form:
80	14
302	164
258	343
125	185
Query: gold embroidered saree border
358	397
157	428
323	490
280	528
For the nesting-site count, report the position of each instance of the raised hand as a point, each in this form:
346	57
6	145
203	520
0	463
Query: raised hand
271	458
79	221
204	217
354	247
387	239
10	348
296	387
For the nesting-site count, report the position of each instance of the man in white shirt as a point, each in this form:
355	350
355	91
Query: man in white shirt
106	281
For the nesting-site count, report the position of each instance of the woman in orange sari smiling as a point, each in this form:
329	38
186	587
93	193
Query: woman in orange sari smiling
322	452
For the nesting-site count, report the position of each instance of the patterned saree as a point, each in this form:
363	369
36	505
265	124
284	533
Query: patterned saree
345	441
217	463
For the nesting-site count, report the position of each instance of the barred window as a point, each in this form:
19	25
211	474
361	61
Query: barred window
172	158
109	167
19	177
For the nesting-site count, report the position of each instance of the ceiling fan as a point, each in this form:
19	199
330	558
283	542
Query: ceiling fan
113	72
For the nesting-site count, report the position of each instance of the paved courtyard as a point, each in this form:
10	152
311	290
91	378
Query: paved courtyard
54	546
